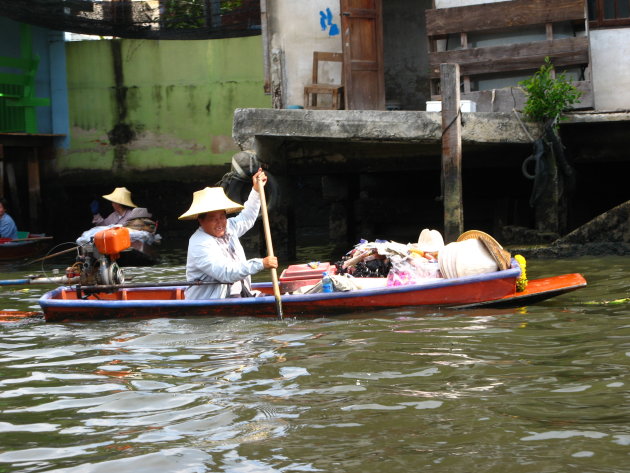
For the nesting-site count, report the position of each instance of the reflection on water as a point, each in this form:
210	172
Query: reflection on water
542	388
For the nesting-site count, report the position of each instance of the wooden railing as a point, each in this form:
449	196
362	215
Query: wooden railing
508	18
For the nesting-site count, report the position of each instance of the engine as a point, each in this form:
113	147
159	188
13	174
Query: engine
96	261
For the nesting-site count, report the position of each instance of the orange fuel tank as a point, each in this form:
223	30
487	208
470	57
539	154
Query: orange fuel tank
112	241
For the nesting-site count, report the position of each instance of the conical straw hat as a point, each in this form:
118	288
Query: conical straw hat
501	256
209	200
122	196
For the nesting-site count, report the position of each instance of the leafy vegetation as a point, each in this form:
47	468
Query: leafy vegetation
194	13
188	14
228	6
548	96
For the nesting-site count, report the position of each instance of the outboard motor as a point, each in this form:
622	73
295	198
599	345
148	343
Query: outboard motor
97	260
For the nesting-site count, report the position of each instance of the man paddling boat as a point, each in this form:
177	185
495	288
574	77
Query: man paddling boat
215	253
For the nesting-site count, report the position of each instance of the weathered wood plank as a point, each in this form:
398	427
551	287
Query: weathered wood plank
496	16
507	98
34	191
451	153
1	169
16	208
515	57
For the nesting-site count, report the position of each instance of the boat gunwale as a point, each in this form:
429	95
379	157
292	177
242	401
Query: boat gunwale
13	244
50	299
35	238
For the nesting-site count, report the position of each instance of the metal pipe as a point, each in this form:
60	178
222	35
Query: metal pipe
39	280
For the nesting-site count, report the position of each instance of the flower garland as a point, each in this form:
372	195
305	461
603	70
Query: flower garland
521	282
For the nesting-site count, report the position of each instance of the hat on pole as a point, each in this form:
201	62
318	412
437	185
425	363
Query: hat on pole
430	241
209	200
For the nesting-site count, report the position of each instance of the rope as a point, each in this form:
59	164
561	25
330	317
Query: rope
523	125
459	114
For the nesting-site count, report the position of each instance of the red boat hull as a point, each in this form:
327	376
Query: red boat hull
17	250
62	303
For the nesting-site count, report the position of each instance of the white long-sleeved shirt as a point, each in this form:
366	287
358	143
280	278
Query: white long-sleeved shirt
222	260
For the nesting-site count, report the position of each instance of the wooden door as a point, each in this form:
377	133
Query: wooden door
362	37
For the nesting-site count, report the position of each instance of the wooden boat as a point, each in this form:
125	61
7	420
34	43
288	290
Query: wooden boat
485	290
25	246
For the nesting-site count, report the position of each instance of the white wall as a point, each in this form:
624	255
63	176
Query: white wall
610	53
295	30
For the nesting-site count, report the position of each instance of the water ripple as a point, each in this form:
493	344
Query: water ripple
542	388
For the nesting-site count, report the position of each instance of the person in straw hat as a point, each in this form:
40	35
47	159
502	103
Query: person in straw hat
215	254
124	209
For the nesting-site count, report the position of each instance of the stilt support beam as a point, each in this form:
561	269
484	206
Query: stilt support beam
451	153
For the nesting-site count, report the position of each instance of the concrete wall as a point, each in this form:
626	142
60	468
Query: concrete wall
294	37
405	54
142	105
610	50
296	29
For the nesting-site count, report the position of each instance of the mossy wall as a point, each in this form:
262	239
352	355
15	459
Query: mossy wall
157	106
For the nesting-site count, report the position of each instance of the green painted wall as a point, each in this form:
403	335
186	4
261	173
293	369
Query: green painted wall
147	105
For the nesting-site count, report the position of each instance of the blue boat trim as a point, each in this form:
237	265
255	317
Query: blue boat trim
50	299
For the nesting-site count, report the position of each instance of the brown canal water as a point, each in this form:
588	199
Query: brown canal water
537	389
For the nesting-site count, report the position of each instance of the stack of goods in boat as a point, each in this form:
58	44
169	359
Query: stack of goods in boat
383	263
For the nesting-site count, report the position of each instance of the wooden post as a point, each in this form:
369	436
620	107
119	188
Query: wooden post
451	153
14	201
1	170
464	44
548	206
34	196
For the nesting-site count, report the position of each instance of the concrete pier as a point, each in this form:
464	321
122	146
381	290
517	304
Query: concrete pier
379	172
405	127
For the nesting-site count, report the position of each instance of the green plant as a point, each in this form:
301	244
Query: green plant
228	6
548	96
184	14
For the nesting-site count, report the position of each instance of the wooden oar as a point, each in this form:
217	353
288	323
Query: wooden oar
274	273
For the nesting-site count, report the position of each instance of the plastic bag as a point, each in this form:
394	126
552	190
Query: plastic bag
402	272
425	269
414	270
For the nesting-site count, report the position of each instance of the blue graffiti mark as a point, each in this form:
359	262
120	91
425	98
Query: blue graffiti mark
322	20
329	16
325	21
